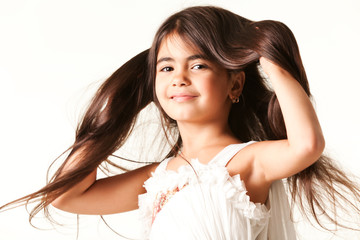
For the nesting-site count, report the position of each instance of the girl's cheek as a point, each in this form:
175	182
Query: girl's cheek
159	91
157	88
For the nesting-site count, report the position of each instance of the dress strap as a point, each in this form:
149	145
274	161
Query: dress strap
225	155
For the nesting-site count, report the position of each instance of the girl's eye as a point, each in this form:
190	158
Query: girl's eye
199	66
166	69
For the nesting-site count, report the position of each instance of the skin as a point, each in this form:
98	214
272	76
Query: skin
197	93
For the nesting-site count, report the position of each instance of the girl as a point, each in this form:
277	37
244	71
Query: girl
235	96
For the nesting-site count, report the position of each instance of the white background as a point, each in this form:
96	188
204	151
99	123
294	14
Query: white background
53	53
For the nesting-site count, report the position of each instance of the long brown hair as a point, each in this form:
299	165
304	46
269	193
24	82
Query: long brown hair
235	43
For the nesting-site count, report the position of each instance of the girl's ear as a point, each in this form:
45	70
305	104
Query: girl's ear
237	80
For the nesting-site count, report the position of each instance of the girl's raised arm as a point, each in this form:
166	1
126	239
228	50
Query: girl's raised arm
305	142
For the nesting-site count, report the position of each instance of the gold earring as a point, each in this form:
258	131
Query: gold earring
235	99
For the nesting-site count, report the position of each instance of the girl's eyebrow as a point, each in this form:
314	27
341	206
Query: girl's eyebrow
192	57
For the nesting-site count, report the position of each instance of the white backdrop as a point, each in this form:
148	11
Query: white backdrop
51	52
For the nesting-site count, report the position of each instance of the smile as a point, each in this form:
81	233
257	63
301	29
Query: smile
182	97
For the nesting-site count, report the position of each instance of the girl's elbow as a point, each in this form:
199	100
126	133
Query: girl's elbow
313	148
318	145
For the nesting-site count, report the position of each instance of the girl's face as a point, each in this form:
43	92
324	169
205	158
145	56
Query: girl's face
189	87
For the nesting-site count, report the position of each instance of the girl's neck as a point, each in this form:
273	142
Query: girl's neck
197	138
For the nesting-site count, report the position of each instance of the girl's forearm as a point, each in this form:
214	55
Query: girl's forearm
78	189
302	125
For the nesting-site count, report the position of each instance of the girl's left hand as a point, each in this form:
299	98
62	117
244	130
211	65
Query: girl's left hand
271	68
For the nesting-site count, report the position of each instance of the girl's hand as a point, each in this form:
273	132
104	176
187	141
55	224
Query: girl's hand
271	69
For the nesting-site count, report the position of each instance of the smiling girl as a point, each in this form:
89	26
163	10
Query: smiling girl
235	95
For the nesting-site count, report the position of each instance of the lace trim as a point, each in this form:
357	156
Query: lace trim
161	199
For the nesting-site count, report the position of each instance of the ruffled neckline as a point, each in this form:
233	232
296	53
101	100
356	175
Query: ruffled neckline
163	180
205	174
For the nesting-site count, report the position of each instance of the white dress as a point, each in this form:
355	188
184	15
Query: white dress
202	201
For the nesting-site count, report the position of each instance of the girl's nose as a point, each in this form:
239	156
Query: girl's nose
180	79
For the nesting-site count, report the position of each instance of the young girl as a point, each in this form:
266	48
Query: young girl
235	95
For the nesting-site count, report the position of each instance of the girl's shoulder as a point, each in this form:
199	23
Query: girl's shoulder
244	164
152	168
242	161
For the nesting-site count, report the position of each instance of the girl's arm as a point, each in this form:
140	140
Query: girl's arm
305	142
105	196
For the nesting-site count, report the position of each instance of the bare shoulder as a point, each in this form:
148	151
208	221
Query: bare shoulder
245	161
244	164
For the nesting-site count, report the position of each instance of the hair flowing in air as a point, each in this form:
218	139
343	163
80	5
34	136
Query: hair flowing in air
235	43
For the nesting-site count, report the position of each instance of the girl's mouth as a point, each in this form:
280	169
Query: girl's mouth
182	97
